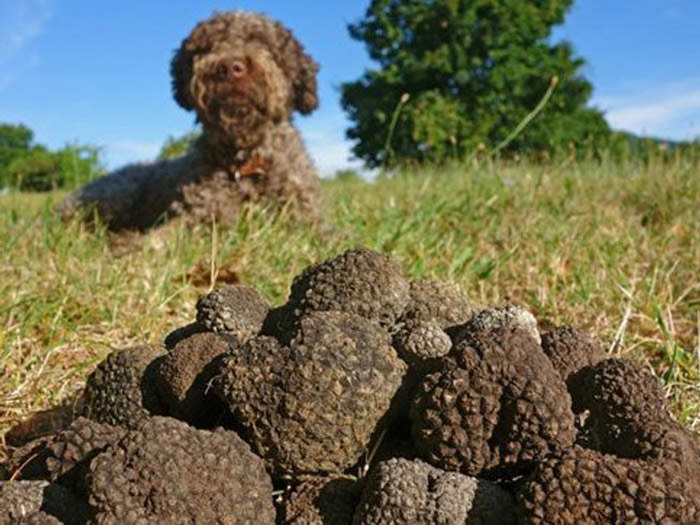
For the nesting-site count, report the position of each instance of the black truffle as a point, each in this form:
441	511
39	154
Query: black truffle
233	309
436	301
361	282
183	377
70	451
570	350
182	333
639	464
585	486
63	457
27	462
122	389
404	491
433	308
626	415
422	344
321	501
35	502
312	407
619	390
38	518
168	472
491	318
495	409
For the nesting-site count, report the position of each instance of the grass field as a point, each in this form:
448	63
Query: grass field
608	247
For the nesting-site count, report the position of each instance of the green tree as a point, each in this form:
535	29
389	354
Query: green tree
15	141
27	166
36	170
78	164
469	71
15	137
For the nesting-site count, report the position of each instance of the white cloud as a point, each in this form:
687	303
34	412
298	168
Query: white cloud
655	113
22	22
330	152
670	111
324	135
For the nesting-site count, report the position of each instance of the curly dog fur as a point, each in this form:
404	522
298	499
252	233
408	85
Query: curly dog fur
243	74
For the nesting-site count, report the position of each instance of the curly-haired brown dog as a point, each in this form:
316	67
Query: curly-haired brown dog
243	74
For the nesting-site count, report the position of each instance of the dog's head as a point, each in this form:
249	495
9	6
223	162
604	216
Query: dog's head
240	71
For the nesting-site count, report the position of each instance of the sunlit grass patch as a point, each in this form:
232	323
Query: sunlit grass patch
611	248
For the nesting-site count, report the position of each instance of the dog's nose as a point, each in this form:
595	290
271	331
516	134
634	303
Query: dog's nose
238	69
230	71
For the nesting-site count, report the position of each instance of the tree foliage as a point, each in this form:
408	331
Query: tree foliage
176	146
14	140
473	70
27	166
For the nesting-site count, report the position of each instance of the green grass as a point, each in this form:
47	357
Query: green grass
611	248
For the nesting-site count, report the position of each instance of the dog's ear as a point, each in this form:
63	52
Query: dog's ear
301	69
305	89
200	40
181	73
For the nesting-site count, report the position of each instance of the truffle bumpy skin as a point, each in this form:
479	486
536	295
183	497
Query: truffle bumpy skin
433	307
181	333
403	491
183	374
122	389
495	409
436	301
313	406
65	456
587	487
571	350
491	318
627	416
244	75
360	281
238	310
39	502
168	472
321	501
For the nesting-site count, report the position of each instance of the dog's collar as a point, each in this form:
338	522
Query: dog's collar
242	164
255	166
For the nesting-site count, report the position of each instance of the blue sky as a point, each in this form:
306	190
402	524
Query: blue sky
97	71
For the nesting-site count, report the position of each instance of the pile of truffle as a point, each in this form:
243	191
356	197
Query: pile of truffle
366	399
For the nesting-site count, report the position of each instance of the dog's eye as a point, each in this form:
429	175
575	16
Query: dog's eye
221	72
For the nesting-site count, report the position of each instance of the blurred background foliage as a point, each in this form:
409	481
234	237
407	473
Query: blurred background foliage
28	166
